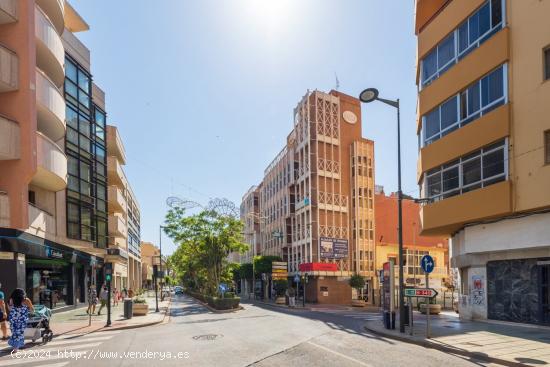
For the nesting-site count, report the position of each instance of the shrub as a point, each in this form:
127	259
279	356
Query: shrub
139	300
225	303
280	287
229	295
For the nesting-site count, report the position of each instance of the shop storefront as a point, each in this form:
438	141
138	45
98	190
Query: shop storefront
52	274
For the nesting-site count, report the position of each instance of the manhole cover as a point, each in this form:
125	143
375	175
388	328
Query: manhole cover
208	337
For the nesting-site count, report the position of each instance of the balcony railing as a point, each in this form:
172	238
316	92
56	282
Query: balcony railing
8	11
55	10
50	107
9	139
52	164
114	144
115	174
50	53
117	226
117	202
4	209
9	70
41	223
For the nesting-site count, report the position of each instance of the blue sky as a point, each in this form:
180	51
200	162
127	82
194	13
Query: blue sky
202	91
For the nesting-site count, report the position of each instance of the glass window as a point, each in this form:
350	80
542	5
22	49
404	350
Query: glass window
72	183
72	165
496	12
473	26
449	113
84	99
73	212
473	99
450	179
434	185
71	89
70	70
471	171
71	116
84	125
446	51
85	188
493	163
100	152
432	123
429	65
463	37
484	19
72	136
100	133
492	87
86	216
84	81
85	144
100	118
85	172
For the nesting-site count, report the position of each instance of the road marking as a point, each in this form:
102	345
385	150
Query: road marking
339	354
75	336
78	340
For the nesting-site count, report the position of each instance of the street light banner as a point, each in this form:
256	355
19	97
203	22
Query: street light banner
333	248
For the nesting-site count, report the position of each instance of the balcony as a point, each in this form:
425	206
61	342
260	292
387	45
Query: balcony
9	70
117	202
51	171
447	216
50	106
117	227
9	139
114	144
55	10
4	209
50	53
8	11
41	223
115	174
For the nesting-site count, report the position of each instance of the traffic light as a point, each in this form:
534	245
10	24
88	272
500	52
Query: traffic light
108	277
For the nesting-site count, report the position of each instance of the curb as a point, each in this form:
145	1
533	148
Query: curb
210	308
281	306
426	344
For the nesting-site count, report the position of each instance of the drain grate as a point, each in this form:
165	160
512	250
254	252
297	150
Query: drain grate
208	337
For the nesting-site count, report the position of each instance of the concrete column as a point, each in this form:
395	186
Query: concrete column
12	275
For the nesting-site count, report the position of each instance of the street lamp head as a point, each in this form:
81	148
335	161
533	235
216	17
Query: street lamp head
368	95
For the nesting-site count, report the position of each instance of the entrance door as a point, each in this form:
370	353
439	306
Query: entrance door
544	272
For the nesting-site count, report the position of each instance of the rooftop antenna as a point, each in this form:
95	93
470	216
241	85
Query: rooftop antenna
337	81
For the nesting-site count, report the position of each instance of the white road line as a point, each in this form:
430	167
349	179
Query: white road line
361	363
12	361
69	336
77	340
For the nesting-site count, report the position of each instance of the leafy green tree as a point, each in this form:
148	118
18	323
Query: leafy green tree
204	241
262	264
245	271
357	281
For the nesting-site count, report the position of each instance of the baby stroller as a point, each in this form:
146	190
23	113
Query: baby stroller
38	325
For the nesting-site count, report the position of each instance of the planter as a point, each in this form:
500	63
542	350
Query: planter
434	309
358	303
280	300
140	309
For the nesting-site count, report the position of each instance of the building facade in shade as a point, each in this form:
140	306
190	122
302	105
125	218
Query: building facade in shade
316	200
250	215
415	246
484	163
149	257
53	213
124	218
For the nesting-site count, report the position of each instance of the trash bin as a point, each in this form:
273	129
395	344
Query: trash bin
387	322
128	308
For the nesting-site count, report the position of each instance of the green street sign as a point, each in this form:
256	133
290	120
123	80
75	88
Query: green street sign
420	292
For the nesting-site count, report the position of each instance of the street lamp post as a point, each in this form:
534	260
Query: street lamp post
160	262
367	96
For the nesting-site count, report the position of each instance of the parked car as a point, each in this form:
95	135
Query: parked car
178	290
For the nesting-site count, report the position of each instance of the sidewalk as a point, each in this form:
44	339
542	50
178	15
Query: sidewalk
76	320
505	344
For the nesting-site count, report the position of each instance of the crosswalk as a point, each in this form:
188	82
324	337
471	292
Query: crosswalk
56	353
358	315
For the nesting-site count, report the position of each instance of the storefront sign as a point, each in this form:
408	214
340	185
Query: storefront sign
56	254
6	255
333	248
117	252
318	267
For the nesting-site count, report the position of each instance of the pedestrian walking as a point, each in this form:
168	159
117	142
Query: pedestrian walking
115	297
291	293
20	306
103	296
3	315
92	299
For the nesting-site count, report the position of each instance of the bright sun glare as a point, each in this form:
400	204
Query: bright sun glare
270	15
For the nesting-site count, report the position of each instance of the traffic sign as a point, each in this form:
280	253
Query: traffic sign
421	292
427	264
296	278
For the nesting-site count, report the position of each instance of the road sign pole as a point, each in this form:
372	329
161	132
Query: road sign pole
411	325
428	308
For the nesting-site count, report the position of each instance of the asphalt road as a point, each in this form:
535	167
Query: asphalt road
255	336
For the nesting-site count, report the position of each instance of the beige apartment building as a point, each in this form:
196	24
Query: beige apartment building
149	257
484	164
53	213
124	218
316	200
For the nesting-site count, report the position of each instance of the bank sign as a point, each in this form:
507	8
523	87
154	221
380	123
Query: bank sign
333	248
